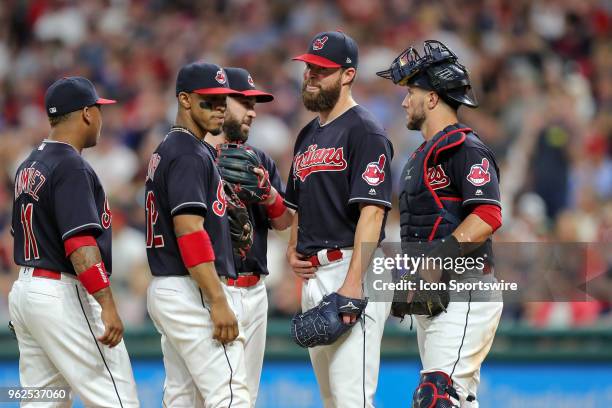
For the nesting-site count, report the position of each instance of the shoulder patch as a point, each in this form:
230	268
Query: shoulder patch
479	173
374	173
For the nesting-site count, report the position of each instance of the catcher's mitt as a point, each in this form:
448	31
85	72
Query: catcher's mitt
323	324
418	302
241	228
236	163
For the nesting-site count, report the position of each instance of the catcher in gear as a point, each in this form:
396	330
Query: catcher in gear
450	197
323	325
254	194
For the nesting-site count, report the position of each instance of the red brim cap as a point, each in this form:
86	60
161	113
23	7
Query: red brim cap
259	95
102	101
317	60
217	91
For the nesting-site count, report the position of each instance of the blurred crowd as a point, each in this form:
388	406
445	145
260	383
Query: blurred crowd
542	71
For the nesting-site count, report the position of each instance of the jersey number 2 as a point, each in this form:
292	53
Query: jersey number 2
153	241
30	247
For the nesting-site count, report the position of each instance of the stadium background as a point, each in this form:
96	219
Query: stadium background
542	72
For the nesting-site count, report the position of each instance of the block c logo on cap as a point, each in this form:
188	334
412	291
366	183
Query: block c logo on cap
319	43
250	81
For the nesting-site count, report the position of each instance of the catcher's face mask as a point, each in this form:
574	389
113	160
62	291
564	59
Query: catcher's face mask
404	67
409	63
437	70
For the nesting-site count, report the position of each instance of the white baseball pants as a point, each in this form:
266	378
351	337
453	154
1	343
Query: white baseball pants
57	323
347	371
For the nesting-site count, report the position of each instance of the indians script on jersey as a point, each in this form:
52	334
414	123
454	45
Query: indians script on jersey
313	160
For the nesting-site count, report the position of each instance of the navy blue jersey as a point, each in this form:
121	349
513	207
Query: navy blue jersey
335	168
466	172
257	258
443	180
57	195
182	178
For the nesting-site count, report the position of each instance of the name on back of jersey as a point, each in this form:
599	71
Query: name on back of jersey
314	160
29	181
153	163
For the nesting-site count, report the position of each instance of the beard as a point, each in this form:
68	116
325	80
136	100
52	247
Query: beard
233	131
215	132
322	101
416	120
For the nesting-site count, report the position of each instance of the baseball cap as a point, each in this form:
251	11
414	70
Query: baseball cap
70	94
331	49
240	80
203	78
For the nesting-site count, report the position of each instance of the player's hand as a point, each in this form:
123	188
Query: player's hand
300	266
224	322
352	291
113	328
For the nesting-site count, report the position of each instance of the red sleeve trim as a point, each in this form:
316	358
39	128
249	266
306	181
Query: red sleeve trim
80	240
489	213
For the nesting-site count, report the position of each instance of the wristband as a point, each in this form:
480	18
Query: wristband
94	278
277	208
196	248
78	241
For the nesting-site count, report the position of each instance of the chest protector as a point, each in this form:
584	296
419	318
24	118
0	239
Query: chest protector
424	216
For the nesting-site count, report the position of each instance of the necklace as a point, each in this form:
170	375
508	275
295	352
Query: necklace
183	129
210	148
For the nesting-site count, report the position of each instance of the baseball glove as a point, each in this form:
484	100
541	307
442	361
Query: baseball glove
418	302
236	163
322	325
241	228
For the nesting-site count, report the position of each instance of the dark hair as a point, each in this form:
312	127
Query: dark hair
450	102
56	120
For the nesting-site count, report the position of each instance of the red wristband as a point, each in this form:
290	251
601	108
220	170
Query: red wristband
196	248
77	241
94	278
277	208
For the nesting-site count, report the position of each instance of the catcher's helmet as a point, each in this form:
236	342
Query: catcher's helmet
437	70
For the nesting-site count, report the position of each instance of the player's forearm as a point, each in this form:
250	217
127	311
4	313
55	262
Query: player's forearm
293	236
82	259
473	229
283	221
204	273
208	281
367	234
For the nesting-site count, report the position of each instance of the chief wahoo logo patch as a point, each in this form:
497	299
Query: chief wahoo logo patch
479	173
374	173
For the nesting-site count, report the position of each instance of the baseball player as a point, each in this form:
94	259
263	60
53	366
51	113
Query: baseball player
340	187
62	308
450	196
189	251
270	213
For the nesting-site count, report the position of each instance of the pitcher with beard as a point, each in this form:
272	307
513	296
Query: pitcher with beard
340	187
